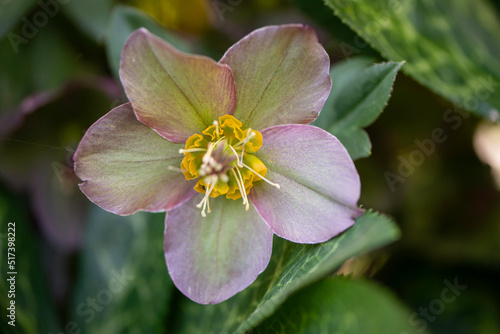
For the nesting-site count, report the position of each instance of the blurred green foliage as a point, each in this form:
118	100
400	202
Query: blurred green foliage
58	80
450	46
340	305
119	272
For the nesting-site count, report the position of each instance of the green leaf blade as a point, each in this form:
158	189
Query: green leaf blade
123	270
363	102
10	14
91	16
340	305
359	94
35	308
356	141
450	46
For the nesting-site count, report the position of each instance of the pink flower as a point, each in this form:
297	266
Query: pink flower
227	140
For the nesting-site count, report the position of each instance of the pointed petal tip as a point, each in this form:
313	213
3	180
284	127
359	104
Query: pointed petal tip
142	30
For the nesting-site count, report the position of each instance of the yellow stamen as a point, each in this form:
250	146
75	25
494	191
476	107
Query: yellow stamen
243	190
241	187
216	129
192	150
249	137
208	155
241	164
262	177
224	145
236	154
176	169
205	200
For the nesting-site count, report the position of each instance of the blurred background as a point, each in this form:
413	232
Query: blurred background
58	75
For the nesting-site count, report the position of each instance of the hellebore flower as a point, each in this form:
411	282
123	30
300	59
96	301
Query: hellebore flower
224	148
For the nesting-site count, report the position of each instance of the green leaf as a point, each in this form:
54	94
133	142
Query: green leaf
56	62
450	46
340	305
125	20
359	94
316	10
124	272
292	267
91	16
45	63
35	309
10	14
15	76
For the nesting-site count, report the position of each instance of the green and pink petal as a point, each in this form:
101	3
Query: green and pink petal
174	93
125	166
319	184
211	259
281	75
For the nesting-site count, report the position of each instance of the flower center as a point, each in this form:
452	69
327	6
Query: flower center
222	160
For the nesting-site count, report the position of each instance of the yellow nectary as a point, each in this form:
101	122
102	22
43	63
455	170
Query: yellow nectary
222	159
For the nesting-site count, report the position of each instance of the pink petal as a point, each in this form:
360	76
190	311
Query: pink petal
211	259
124	166
174	93
281	75
320	186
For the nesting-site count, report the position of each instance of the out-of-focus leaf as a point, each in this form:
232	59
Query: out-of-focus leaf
35	309
472	307
347	41
15	77
37	158
54	61
125	20
450	46
191	16
340	305
10	13
292	267
45	63
123	271
60	207
359	93
91	16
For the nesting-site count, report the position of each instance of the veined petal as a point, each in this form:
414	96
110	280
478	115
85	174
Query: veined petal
125	166
319	184
174	93
281	75
211	259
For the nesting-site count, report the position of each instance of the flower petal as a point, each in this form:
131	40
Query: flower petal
281	75
320	186
211	259
124	166
174	93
